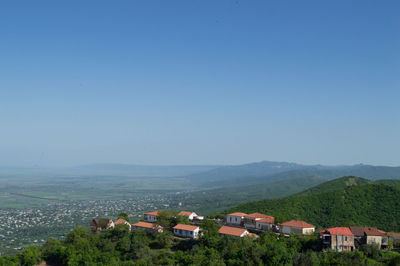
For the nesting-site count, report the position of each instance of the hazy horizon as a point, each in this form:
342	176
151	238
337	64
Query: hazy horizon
199	83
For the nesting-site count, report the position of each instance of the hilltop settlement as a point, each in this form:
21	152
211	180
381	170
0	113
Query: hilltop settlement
240	225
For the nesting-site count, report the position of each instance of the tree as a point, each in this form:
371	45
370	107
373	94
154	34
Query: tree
209	235
29	256
124	215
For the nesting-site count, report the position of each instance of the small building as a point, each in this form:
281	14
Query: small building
151	217
185	230
122	221
98	224
149	227
233	231
235	218
190	215
265	224
251	219
337	238
297	227
369	235
395	238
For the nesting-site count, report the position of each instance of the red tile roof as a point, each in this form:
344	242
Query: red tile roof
185	227
120	221
369	231
183	213
233	231
373	231
144	225
269	220
341	231
298	224
394	234
241	214
154	213
259	215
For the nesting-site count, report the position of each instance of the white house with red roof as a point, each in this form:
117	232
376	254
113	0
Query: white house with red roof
151	216
235	218
122	221
296	227
250	220
233	231
338	238
185	230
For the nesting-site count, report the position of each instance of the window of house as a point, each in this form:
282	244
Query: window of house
345	238
235	219
339	238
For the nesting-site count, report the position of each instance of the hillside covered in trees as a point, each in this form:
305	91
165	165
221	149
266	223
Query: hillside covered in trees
345	201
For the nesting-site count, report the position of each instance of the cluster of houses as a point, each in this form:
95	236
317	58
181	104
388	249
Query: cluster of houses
240	224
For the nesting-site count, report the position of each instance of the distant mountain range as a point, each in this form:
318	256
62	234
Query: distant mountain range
214	176
266	172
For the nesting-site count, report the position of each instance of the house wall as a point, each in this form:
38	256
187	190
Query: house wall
374	239
296	230
249	223
142	228
150	218
342	243
184	233
263	226
308	231
237	220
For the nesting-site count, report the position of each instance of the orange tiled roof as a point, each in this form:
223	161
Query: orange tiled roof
185	227
258	215
154	213
269	220
373	231
120	221
241	214
144	225
183	213
298	224
233	231
341	231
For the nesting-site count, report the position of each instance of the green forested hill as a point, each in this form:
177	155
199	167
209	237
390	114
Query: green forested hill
342	202
339	183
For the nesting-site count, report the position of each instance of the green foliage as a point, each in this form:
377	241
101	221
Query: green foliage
29	256
123	215
343	202
122	247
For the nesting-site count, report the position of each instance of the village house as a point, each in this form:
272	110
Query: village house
98	224
338	238
395	238
122	221
296	227
265	223
233	231
235	218
151	216
369	235
191	215
184	230
251	219
149	227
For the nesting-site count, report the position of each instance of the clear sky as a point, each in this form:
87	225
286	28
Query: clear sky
199	82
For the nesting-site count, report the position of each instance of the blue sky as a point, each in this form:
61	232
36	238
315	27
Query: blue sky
199	82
